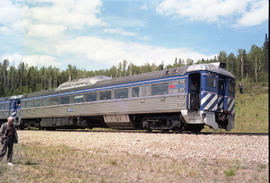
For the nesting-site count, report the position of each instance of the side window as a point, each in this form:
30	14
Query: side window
91	97
135	92
6	106
36	103
221	85
55	101
121	93
232	87
24	104
1	106
160	89
29	103
211	82
106	95
65	100
78	98
144	91
46	102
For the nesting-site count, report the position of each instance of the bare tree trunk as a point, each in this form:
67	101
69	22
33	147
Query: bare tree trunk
242	67
12	80
256	71
130	70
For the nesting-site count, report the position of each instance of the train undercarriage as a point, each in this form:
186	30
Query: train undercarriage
164	122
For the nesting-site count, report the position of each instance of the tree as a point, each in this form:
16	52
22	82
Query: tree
241	64
266	55
222	57
189	61
125	67
4	76
256	57
231	63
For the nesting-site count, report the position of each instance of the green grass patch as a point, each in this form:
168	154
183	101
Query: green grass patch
61	164
251	110
230	172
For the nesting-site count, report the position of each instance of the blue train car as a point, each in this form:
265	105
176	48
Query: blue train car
211	91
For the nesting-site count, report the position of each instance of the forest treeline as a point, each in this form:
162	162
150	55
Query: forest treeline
252	66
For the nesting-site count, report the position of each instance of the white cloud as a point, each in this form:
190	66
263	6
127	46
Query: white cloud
257	14
9	14
32	60
216	10
120	32
44	32
69	13
3	30
50	19
111	51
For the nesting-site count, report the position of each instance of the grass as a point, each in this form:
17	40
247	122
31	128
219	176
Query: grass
261	167
230	172
39	163
251	110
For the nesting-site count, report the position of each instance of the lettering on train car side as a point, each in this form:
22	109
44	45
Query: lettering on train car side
177	86
70	110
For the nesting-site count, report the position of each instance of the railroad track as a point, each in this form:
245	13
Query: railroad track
235	133
160	132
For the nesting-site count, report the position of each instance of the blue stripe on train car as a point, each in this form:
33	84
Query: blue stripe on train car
209	101
220	102
231	105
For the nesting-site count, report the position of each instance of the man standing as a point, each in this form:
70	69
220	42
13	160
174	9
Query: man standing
8	136
241	87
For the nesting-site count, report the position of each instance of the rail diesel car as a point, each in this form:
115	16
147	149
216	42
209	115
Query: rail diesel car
179	99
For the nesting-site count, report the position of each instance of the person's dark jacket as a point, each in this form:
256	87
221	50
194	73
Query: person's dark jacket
3	133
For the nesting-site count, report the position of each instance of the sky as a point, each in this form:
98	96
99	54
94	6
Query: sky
97	34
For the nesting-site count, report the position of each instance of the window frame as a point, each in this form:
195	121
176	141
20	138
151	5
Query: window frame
104	92
48	103
86	97
160	93
79	96
214	79
65	97
55	101
132	89
231	83
36	103
120	90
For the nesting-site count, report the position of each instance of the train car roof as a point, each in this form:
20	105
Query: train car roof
212	67
99	81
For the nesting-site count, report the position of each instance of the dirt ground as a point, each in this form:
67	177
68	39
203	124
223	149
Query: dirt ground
43	156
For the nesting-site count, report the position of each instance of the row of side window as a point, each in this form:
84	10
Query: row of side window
211	82
157	89
4	106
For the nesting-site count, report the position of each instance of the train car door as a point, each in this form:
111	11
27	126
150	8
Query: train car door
194	91
229	96
221	93
209	96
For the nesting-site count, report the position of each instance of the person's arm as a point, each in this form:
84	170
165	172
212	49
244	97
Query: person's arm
16	137
2	131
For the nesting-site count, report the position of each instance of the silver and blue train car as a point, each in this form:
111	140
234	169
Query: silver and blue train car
178	99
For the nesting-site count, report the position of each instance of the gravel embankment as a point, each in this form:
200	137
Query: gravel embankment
176	146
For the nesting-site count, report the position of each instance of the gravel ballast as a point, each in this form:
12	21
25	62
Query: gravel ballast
247	149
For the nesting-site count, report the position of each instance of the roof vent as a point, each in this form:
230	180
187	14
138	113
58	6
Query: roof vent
219	64
82	82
